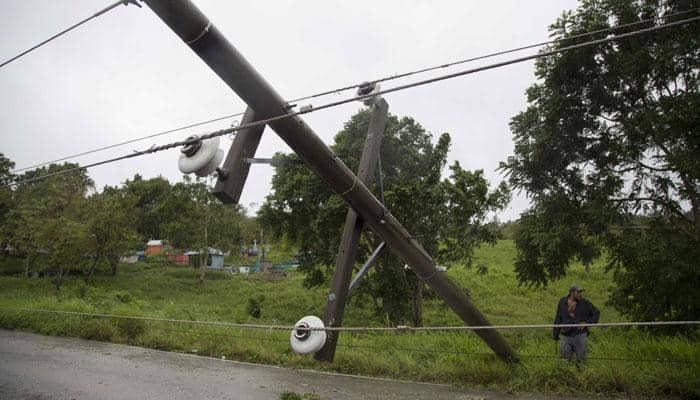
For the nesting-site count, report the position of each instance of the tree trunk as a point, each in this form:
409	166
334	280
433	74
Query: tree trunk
694	202
59	279
113	263
418	303
203	265
26	267
203	261
91	271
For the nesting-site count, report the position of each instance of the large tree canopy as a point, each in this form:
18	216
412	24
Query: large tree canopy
447	215
607	150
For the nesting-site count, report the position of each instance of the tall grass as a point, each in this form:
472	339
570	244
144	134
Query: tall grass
622	361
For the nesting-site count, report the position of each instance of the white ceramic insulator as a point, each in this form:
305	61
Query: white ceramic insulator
370	101
204	161
315	339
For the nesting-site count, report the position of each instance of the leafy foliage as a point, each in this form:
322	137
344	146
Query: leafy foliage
608	152
62	224
110	225
6	198
45	221
446	215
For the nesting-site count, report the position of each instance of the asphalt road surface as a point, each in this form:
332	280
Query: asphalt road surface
44	367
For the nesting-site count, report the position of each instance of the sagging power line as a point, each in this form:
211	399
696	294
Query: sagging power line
63	32
400	328
375	81
311	109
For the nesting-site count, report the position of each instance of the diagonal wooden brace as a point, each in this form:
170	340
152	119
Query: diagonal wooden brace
229	184
365	268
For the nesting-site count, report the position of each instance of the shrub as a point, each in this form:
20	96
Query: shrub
131	328
99	330
287	395
156	259
123	296
253	307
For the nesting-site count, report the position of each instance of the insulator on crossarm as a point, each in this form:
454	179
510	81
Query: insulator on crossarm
201	157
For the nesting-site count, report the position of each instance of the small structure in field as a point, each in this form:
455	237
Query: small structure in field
215	261
155	247
129	258
216	258
179	258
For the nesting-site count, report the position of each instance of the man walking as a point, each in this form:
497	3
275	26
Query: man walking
574	309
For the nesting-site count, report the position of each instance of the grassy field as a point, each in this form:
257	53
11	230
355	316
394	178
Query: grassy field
623	362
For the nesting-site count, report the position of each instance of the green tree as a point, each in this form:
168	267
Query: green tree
201	221
607	151
110	224
153	204
46	223
6	200
447	215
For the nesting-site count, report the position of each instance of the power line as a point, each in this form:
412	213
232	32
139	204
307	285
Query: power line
379	80
181	128
408	349
272	327
530	46
63	32
311	109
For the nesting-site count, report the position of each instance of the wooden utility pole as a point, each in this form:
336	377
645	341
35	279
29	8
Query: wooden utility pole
347	253
211	46
234	171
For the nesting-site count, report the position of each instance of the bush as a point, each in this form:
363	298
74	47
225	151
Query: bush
11	265
99	330
156	259
287	395
131	328
123	296
253	307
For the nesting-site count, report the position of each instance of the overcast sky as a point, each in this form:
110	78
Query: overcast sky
127	75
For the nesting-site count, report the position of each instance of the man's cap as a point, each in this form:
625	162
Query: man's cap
575	288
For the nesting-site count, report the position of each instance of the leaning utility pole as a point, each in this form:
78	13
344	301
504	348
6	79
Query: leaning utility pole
211	46
347	254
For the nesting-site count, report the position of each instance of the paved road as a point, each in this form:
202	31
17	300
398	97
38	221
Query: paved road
44	367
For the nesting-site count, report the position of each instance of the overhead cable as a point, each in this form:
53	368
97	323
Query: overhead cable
384	79
311	109
63	32
272	327
181	128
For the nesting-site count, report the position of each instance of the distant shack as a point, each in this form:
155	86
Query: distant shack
155	247
215	260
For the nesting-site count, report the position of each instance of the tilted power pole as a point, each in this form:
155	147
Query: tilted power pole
188	22
234	171
347	254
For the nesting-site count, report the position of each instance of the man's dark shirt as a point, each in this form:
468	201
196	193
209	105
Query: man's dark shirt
585	312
